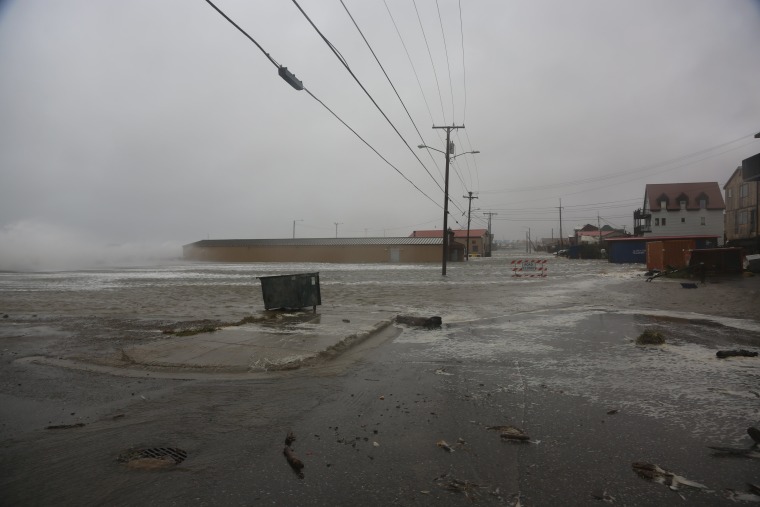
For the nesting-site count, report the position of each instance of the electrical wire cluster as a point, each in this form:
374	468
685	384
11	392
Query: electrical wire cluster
288	77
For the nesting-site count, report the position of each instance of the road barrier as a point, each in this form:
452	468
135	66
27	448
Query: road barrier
531	268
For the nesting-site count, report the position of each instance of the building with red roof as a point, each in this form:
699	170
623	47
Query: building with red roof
479	241
681	209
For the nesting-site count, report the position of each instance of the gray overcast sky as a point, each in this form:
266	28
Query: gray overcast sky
157	123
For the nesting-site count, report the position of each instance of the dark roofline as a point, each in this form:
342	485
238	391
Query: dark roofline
663	238
366	241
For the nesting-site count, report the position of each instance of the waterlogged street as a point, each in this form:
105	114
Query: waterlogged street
407	417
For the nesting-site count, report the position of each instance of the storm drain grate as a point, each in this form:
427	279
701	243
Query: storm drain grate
154	457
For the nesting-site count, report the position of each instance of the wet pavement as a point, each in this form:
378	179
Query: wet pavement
556	358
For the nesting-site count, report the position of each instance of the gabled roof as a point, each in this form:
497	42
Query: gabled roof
595	234
316	242
458	233
737	174
693	192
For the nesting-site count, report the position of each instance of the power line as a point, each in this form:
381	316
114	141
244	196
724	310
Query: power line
322	103
348	68
244	33
464	67
448	63
371	147
430	54
627	172
394	90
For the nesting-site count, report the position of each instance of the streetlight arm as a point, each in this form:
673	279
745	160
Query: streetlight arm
465	153
421	146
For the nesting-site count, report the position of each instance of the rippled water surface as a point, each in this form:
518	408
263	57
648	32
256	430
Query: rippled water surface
572	330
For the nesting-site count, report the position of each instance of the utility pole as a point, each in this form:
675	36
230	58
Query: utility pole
490	214
294	227
469	210
336	227
560	224
449	149
599	229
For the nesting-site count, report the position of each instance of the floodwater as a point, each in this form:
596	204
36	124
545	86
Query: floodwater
576	325
551	354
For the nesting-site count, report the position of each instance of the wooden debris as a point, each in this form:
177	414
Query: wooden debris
655	473
443	445
510	433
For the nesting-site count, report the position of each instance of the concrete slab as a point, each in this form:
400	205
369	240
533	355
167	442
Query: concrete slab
288	342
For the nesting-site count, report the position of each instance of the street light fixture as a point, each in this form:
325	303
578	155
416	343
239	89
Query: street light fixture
449	158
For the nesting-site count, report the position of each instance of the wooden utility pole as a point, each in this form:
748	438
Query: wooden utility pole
449	149
490	236
336	227
469	210
560	223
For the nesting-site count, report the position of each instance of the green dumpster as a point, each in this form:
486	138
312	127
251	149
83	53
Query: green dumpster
291	291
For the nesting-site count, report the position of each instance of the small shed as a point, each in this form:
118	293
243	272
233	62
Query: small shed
633	250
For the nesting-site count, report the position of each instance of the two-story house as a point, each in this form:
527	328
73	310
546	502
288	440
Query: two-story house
681	209
742	227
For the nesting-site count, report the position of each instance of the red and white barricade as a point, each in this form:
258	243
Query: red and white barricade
531	268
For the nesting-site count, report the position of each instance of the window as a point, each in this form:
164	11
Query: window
664	204
744	190
663	221
702	203
702	221
683	205
742	218
683	220
656	221
728	193
752	219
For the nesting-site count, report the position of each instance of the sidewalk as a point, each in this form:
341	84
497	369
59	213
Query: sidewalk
291	341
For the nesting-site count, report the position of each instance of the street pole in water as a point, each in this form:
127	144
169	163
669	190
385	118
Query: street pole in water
469	210
294	227
448	151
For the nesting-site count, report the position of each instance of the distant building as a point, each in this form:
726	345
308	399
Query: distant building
681	209
741	226
337	250
590	234
479	240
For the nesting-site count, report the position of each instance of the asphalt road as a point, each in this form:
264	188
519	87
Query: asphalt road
368	425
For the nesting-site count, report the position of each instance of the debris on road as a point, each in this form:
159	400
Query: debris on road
443	445
650	337
64	426
722	354
457	485
295	463
424	322
510	433
654	473
613	411
737	496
